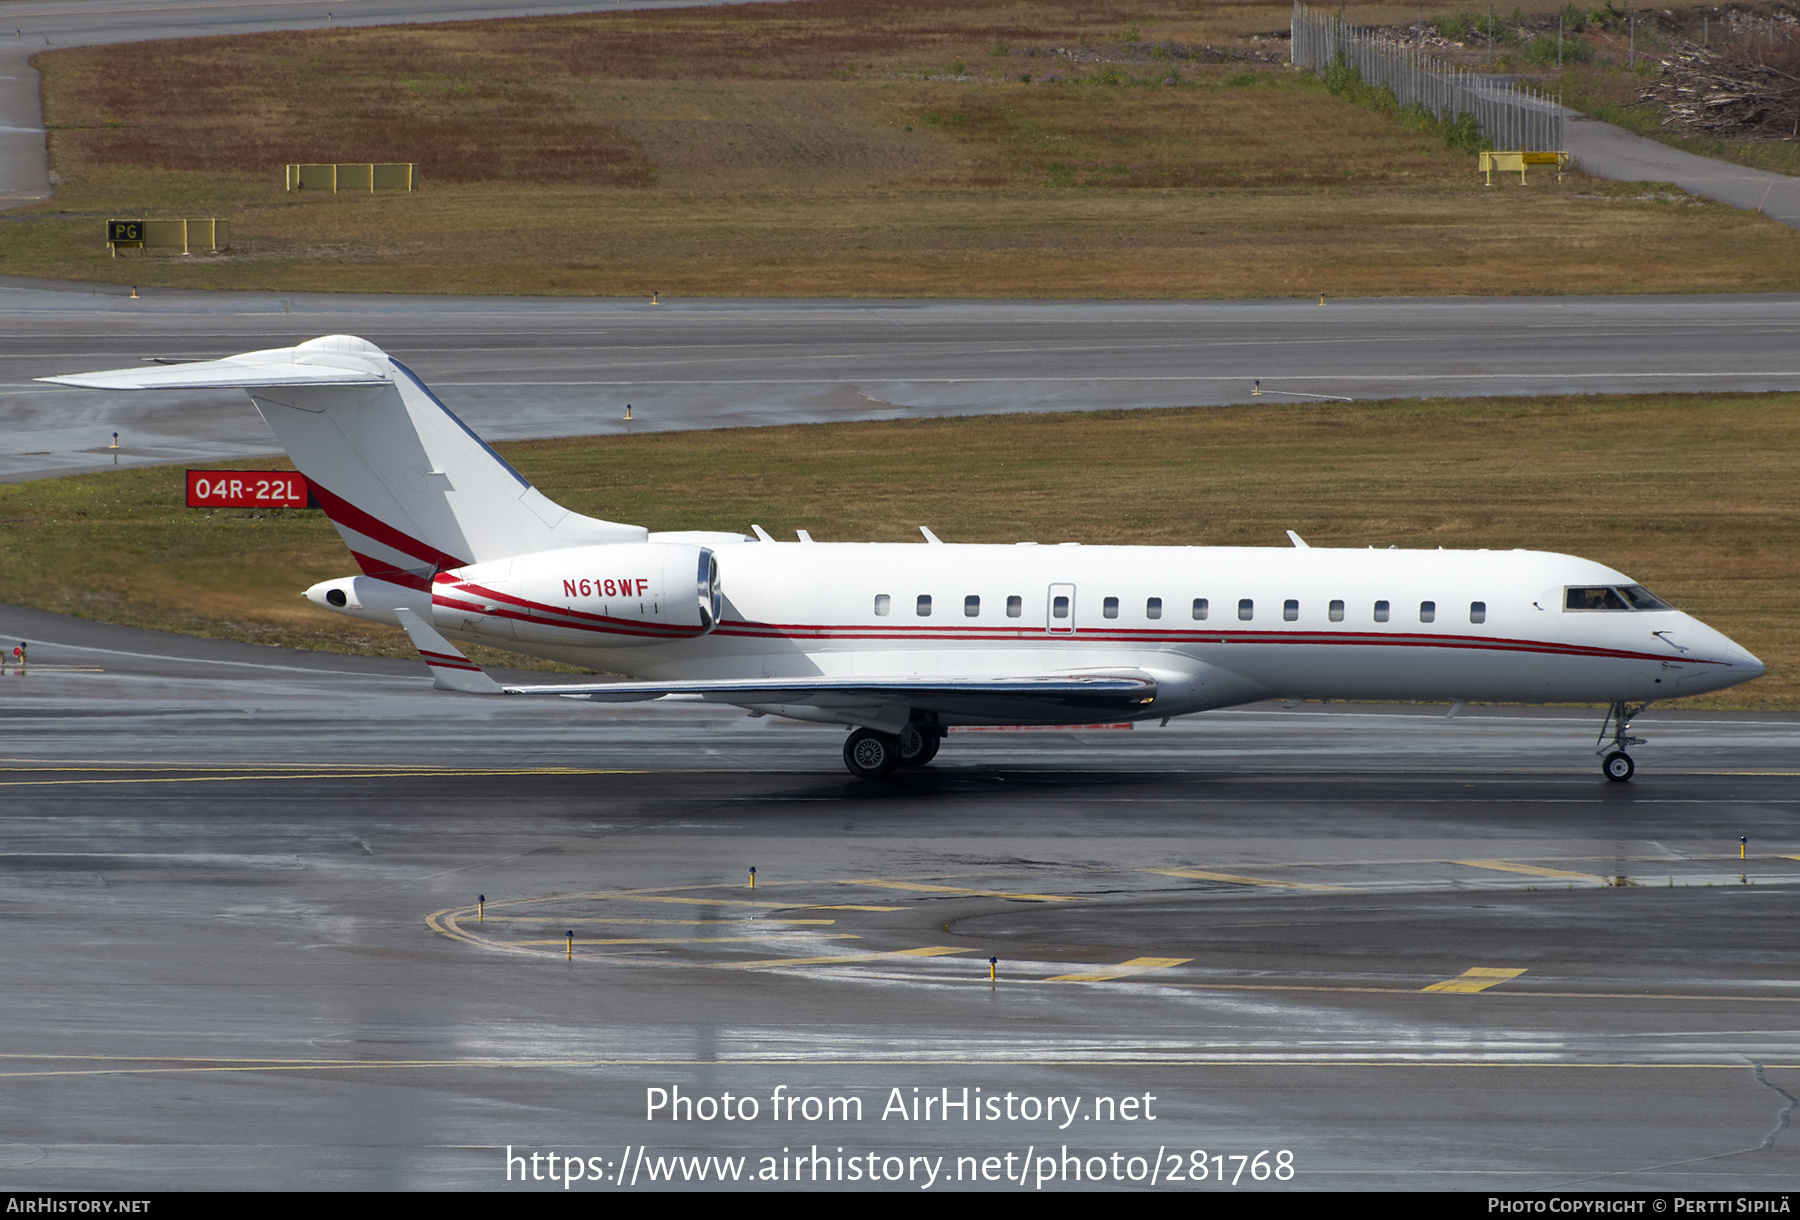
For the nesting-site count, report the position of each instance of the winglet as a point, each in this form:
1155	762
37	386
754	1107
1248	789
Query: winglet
1297	540
450	670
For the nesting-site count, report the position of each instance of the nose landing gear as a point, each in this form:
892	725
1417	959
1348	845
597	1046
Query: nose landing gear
1616	764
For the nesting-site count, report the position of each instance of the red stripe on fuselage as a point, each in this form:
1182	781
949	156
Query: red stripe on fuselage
344	513
552	616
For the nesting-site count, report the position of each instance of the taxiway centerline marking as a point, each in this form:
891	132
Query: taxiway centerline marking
1196	874
956	889
622	919
560	941
926	951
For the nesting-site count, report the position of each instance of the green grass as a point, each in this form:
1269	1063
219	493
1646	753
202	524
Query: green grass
1692	495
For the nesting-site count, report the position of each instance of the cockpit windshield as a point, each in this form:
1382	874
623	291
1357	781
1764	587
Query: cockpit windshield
1607	597
1642	599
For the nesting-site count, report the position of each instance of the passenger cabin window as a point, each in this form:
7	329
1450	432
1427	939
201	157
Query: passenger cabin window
1059	607
1381	612
1153	608
924	605
1290	610
1015	606
971	606
1199	608
1246	610
1427	612
1336	612
883	603
1478	612
1110	607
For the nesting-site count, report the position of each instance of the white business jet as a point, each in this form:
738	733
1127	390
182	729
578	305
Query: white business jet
900	642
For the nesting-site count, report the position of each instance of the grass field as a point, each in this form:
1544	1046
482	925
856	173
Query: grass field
835	147
1692	495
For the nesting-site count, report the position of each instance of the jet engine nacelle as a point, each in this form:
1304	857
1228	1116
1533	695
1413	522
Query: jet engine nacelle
612	595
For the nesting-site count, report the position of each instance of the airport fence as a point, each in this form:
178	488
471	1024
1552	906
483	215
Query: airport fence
1508	115
354	176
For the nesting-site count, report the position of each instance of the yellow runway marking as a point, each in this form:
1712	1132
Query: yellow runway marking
920	886
927	951
1480	978
1531	870
820	906
560	941
1137	965
1196	874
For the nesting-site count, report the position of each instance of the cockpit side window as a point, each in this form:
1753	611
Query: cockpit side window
1596	597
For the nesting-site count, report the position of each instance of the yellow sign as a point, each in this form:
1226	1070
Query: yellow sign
1506	162
210	234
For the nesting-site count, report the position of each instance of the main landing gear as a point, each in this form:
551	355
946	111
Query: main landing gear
870	754
1616	763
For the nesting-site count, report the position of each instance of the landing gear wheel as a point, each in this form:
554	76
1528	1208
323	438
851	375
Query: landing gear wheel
871	755
918	746
1618	766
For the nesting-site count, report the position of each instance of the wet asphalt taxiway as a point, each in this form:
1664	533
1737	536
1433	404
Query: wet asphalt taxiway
1375	947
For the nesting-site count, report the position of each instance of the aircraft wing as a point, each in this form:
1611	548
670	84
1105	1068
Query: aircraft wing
1119	691
1035	697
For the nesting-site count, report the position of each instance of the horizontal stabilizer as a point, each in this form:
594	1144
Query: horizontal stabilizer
249	371
450	670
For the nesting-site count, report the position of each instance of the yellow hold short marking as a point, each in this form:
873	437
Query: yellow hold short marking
1137	965
1479	978
1532	870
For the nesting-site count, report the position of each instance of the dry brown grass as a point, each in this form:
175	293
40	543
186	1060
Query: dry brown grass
829	148
1693	495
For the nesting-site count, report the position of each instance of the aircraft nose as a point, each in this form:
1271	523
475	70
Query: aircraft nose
1743	663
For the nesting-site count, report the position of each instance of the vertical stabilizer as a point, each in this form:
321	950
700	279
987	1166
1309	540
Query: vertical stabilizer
408	485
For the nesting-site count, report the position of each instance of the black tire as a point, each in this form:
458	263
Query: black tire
871	755
918	746
1618	766
932	742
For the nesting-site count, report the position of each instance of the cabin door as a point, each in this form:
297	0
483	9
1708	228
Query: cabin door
1059	610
